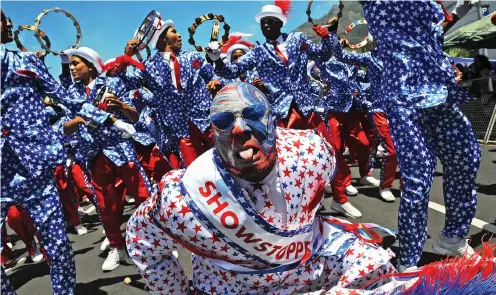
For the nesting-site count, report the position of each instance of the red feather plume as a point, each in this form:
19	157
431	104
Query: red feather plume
285	6
122	62
233	40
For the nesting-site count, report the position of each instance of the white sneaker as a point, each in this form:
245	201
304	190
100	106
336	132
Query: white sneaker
347	209
460	248
129	199
37	257
81	212
81	230
380	151
369	180
105	245
114	258
387	195
404	268
351	190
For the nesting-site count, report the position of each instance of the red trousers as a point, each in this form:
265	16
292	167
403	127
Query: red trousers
194	146
20	222
349	123
389	162
153	161
110	196
68	195
296	120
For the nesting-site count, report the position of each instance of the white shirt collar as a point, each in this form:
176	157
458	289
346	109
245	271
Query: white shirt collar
280	40
165	55
92	84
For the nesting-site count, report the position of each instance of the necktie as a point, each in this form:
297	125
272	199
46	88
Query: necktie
177	71
87	91
278	52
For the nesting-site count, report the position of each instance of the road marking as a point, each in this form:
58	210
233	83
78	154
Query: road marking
475	222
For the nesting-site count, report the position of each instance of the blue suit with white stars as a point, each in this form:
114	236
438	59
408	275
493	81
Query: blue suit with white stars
420	96
151	128
31	150
286	84
177	108
106	138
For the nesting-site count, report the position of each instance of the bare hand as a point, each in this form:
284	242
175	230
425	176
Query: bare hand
113	102
258	83
130	50
214	86
79	120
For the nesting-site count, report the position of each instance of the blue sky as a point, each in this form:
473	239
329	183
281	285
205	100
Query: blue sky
107	25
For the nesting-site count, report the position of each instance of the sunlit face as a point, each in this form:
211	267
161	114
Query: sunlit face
170	38
6	29
244	131
79	69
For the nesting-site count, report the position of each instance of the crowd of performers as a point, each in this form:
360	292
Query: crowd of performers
230	155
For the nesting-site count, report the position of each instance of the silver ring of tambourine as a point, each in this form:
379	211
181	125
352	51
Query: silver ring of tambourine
31	28
309	11
56	10
215	30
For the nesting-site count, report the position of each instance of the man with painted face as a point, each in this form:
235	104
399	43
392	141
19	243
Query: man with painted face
247	210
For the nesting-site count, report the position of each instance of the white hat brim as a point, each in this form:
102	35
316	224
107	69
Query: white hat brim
279	16
85	55
234	48
154	40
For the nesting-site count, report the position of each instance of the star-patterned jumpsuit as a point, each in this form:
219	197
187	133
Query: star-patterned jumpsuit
31	150
420	96
287	199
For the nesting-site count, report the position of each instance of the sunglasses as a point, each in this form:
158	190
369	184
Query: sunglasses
225	120
270	21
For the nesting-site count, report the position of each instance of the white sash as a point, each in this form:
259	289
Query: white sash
217	201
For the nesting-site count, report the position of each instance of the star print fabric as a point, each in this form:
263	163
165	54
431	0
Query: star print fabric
415	71
285	83
166	222
420	136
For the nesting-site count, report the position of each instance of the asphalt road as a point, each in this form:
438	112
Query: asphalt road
31	279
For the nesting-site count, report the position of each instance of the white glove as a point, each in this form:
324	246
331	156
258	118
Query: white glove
64	58
126	128
213	50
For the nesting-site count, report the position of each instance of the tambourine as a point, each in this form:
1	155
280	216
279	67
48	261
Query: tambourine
351	27
215	30
37	32
144	33
148	53
31	28
309	12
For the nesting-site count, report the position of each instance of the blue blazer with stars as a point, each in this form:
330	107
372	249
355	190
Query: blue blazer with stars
105	137
286	84
151	128
178	108
25	129
409	38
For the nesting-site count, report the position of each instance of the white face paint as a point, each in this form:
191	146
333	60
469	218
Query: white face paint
244	131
